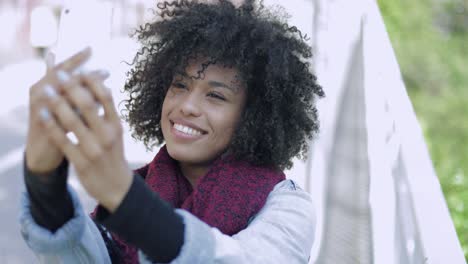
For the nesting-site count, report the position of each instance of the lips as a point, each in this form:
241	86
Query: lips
187	128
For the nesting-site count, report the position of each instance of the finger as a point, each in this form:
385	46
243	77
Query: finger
86	105
110	130
69	120
104	97
84	99
57	77
75	61
98	76
67	81
67	117
50	61
38	99
57	81
59	138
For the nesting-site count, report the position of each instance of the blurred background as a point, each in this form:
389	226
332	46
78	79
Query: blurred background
429	38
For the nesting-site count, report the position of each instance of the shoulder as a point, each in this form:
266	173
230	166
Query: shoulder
290	207
288	184
282	231
286	223
287	194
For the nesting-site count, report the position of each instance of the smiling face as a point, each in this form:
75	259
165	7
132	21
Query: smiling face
199	116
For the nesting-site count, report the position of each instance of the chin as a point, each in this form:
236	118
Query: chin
190	155
181	153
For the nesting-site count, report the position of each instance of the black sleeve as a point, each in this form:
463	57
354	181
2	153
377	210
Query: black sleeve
155	228
51	204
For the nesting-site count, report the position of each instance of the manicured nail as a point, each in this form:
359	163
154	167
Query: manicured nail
71	136
49	91
100	109
50	59
63	76
44	114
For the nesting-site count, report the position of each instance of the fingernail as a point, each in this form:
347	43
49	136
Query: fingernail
49	91
63	76
44	114
100	109
50	59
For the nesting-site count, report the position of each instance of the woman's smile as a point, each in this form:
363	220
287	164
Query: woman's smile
186	131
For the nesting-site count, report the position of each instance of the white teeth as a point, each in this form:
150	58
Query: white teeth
187	130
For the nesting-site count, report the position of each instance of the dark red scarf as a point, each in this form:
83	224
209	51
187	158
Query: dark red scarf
226	197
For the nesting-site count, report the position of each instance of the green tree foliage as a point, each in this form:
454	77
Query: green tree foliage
452	17
430	38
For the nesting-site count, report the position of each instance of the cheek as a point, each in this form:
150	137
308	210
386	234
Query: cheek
227	124
166	109
168	104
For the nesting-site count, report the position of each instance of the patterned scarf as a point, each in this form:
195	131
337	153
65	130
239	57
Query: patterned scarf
226	197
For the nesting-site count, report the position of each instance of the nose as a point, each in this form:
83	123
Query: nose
191	105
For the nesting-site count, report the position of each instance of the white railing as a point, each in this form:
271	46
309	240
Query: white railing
424	230
410	221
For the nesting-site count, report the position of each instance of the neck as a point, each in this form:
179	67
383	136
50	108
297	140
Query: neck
193	172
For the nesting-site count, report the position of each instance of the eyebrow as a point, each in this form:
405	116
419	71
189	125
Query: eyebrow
220	84
211	83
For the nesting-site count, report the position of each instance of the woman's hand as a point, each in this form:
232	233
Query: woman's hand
98	155
43	157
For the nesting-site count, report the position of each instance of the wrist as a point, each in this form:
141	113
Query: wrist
43	172
114	198
42	167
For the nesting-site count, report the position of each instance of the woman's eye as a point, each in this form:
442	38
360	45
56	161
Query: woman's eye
179	85
217	96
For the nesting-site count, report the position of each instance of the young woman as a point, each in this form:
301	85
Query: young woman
230	92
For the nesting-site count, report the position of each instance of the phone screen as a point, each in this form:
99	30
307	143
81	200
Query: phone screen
84	24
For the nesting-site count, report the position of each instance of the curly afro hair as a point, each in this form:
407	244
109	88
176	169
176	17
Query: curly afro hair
280	114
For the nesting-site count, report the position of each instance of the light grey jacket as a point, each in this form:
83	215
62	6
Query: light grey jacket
282	232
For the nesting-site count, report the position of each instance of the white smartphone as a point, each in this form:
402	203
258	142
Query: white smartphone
85	23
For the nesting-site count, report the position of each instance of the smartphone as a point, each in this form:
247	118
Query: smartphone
85	23
82	24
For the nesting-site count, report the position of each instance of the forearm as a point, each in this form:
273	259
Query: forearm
147	222
50	203
77	241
